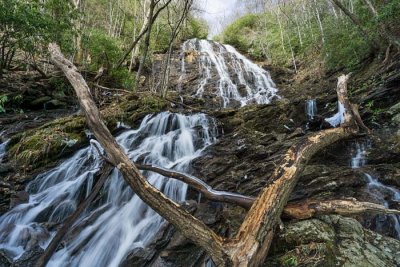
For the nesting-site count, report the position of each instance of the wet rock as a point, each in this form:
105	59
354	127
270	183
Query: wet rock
332	241
5	168
40	102
19	198
5	260
29	258
55	104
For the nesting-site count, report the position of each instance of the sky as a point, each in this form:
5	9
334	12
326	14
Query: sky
217	13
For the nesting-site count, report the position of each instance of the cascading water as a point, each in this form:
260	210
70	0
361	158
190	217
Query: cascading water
338	118
3	149
239	79
119	221
379	190
311	109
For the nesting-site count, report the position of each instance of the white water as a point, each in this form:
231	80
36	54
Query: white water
3	149
379	190
311	108
233	71
120	221
338	118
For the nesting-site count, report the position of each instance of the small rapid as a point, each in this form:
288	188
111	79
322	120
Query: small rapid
237	78
118	221
3	146
311	109
379	190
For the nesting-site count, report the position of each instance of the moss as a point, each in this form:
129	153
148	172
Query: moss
35	148
312	254
136	106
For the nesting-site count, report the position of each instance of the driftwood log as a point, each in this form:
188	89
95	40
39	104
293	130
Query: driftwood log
250	246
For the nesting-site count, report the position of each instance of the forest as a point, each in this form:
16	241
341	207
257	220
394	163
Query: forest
199	133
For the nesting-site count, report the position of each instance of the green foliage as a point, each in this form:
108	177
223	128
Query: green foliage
290	261
123	78
294	29
102	48
195	28
240	33
3	100
30	24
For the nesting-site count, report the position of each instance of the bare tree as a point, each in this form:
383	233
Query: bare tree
367	37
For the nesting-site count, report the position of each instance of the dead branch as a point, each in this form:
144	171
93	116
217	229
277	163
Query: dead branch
202	187
310	208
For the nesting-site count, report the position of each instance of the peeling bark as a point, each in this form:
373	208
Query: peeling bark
345	207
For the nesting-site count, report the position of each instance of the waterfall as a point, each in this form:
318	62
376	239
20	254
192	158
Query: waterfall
119	221
359	158
338	118
311	109
375	187
238	78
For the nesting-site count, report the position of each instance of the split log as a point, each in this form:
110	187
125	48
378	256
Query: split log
345	207
250	246
45	257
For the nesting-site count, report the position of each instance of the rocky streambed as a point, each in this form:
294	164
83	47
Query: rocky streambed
249	142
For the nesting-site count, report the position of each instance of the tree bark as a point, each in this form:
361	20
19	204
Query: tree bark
250	246
310	208
202	187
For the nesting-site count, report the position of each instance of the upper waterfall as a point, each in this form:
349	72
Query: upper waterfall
226	73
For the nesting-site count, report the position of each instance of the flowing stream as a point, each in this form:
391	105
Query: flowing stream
238	78
311	108
377	189
119	221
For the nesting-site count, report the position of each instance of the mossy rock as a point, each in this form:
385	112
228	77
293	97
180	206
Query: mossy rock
36	147
332	240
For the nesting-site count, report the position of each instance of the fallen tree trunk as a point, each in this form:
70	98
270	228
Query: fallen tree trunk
250	246
310	208
191	227
45	257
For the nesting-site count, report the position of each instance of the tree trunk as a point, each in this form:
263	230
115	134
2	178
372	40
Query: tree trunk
358	24
142	33
251	245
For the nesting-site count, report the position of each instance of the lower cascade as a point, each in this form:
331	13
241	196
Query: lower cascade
119	221
237	78
379	190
